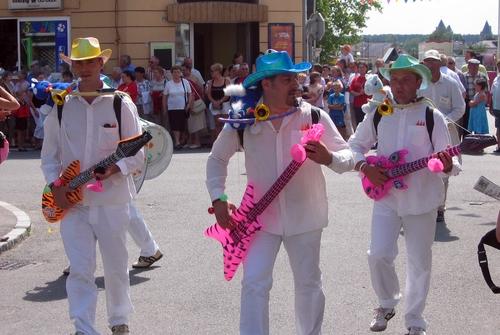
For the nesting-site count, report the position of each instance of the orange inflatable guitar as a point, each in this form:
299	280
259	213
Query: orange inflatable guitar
72	176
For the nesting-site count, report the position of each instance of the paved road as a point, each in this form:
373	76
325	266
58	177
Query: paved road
186	293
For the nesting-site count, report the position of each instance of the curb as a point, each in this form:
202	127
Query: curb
20	231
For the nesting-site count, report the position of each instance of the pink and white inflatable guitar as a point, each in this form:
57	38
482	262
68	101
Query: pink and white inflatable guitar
235	242
397	168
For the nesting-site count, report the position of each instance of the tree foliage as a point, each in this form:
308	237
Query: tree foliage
344	22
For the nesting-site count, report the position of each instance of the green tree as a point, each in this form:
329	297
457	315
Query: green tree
344	22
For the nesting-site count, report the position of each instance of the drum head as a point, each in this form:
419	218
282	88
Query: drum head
158	152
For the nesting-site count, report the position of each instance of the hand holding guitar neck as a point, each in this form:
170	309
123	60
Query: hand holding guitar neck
101	173
445	158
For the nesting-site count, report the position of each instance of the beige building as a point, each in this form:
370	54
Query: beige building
207	31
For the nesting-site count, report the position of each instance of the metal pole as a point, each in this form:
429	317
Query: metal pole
498	35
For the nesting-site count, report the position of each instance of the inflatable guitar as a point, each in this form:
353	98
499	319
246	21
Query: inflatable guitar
75	180
235	242
397	168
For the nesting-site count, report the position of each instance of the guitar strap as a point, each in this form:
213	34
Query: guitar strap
429	121
489	239
117	107
315	116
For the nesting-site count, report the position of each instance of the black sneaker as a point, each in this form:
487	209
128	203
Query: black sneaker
440	216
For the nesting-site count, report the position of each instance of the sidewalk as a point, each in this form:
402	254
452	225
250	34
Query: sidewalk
15	225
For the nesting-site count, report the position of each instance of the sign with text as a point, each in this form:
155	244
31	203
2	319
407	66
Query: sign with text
34	4
281	37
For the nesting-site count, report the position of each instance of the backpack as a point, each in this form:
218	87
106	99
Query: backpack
117	107
429	121
315	116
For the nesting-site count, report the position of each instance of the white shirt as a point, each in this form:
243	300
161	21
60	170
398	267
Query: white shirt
349	58
495	91
198	76
454	76
302	206
446	96
82	136
177	94
400	131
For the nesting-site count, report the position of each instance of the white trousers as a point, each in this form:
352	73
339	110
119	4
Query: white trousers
81	228
140	233
303	253
419	235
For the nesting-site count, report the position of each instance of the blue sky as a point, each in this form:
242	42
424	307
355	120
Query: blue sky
422	16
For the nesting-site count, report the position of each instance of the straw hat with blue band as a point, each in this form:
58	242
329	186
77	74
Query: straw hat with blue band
274	63
86	48
409	63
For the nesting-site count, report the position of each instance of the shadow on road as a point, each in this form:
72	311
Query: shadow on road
56	289
443	234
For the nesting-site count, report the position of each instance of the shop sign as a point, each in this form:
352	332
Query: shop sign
281	37
34	4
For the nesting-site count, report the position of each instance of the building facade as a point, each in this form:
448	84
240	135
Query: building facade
207	31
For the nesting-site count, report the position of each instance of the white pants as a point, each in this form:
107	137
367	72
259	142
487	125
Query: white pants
140	233
80	229
303	254
419	235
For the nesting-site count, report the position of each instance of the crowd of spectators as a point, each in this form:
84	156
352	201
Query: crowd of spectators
168	96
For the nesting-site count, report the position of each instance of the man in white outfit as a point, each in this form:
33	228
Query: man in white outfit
447	96
88	132
414	208
297	216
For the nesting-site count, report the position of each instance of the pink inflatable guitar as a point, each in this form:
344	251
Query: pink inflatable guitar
235	242
4	147
396	168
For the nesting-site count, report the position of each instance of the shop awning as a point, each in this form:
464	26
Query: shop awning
216	12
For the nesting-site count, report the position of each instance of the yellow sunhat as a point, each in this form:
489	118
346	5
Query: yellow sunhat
86	48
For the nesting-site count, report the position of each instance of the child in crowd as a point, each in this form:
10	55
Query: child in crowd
144	104
337	106
478	123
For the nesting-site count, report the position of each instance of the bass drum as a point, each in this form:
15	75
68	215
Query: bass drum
158	152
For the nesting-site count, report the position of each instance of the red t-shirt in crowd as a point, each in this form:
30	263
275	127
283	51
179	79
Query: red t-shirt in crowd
131	89
357	84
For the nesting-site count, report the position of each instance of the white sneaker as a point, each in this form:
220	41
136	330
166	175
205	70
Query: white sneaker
416	331
380	318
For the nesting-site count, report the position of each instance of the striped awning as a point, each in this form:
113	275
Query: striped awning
216	12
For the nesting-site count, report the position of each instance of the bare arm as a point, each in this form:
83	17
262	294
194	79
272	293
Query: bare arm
7	101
